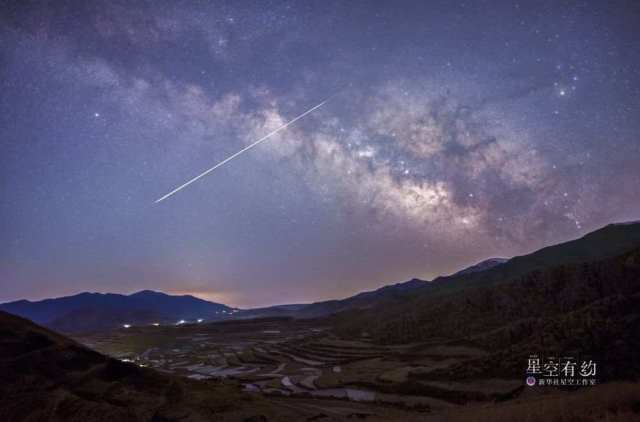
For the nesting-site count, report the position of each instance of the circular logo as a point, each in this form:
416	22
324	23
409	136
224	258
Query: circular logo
531	381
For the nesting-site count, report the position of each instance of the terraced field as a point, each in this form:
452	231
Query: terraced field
304	359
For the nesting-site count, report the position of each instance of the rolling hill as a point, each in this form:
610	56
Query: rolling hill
607	242
98	311
47	377
581	298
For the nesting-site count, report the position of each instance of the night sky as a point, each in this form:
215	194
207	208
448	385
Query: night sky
457	131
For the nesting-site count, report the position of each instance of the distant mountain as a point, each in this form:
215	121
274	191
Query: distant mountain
270	311
577	296
609	241
328	307
482	266
362	300
98	311
606	242
47	377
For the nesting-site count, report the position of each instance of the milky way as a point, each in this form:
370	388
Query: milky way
461	131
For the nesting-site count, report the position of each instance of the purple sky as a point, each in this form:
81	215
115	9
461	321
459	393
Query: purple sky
459	131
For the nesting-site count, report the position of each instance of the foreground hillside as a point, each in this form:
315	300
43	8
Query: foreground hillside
46	377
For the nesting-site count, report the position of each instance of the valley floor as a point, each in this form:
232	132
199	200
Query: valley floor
301	366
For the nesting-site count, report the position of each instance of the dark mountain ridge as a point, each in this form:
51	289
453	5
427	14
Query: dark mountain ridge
88	311
609	241
91	311
606	242
482	266
581	297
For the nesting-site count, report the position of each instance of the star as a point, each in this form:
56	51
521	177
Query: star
429	124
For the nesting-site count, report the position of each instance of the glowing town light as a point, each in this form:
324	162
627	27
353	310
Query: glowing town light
156	324
126	325
200	320
182	321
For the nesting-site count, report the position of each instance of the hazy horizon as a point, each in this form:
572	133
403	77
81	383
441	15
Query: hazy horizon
213	297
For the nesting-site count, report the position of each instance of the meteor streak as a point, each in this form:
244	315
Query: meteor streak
226	160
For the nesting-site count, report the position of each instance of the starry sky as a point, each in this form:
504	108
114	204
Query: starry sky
457	131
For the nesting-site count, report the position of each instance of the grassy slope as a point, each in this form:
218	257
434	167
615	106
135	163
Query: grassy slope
583	309
44	376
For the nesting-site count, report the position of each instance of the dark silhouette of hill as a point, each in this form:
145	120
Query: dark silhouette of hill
386	294
550	304
98	311
487	264
270	311
609	241
329	307
606	242
47	377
